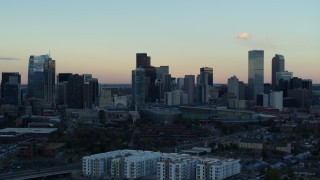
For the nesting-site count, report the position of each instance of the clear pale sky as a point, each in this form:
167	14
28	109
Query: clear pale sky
101	37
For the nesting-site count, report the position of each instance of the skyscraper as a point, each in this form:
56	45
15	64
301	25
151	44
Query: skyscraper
138	87
206	83
150	75
277	66
233	86
49	81
143	60
283	82
10	88
62	84
91	92
75	91
162	81
189	82
180	83
255	73
206	76
36	76
6	77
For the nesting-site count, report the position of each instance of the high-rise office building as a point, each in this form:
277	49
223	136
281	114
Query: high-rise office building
206	76
233	86
87	77
242	90
6	77
36	76
150	81
162	74
255	73
143	60
283	82
10	88
138	87
284	75
63	77
161	71
75	91
277	66
62	88
295	83
206	83
90	92
180	83
307	84
49	81
151	91
189	87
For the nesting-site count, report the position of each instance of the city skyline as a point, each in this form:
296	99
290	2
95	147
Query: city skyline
102	38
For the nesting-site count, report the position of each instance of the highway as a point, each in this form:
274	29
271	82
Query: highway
36	173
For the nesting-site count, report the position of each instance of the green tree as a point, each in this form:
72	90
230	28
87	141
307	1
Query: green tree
6	163
273	174
290	172
264	155
102	117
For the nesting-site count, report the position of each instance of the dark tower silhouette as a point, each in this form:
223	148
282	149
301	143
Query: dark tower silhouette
143	60
277	66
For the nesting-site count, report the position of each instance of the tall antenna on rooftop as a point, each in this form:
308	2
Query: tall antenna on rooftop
49	54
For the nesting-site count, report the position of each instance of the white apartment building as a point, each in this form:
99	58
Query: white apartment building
176	167
133	164
216	169
140	165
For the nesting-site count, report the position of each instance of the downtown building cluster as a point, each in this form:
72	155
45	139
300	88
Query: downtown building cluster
156	85
133	164
45	89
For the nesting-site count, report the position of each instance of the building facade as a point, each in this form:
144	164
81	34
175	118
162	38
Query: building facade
10	88
49	93
276	100
62	87
143	60
233	86
138	87
205	84
277	66
75	91
134	164
255	73
189	87
36	76
212	169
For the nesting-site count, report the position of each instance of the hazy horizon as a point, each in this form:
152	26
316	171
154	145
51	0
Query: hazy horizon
101	37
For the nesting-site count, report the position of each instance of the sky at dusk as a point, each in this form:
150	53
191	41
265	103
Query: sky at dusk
101	37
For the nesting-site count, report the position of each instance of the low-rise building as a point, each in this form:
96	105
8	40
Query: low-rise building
251	143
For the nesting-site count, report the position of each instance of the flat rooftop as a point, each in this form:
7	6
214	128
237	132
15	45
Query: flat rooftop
29	130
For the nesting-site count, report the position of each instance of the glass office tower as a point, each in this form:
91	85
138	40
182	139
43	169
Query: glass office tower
255	73
138	87
36	76
49	81
277	66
